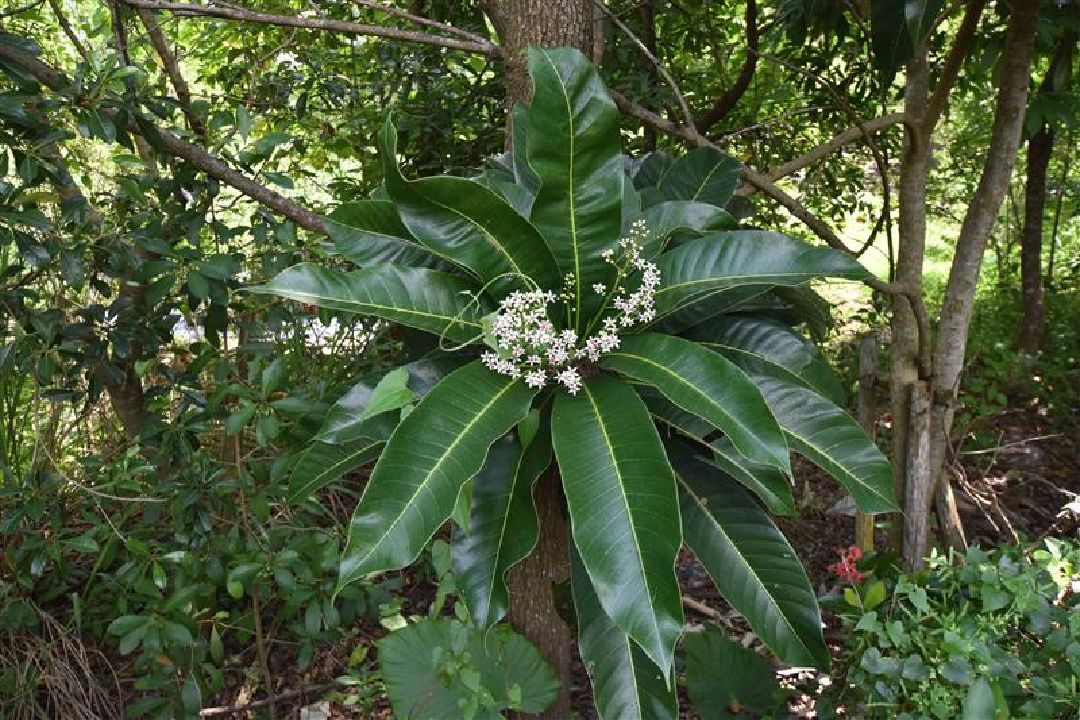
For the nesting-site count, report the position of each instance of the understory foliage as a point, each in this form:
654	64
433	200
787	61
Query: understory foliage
642	344
989	635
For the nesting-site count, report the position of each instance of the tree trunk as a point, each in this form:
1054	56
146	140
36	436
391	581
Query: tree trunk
1040	147
904	351
978	222
533	613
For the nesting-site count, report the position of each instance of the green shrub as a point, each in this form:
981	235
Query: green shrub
992	635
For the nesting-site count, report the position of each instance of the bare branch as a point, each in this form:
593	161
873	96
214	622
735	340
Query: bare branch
200	158
827	148
953	61
726	103
688	117
423	21
350	28
61	18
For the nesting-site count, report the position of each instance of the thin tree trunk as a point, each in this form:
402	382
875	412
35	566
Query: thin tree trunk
1014	77
533	613
867	411
1040	148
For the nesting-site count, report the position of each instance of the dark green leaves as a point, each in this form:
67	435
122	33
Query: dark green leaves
703	175
751	562
831	439
434	450
467	223
623	510
573	147
896	29
708	385
370	232
503	527
424	299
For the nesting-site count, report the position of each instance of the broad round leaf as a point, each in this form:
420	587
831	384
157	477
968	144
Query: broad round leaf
708	385
623	510
750	561
626	685
702	175
427	300
435	449
832	440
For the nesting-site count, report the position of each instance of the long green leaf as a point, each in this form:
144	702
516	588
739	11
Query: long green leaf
574	148
760	345
708	385
369	232
427	300
435	449
771	486
503	528
702	175
750	561
666	219
832	440
468	223
322	463
728	260
623	510
626	685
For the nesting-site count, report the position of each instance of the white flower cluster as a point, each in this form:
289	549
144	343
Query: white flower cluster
529	346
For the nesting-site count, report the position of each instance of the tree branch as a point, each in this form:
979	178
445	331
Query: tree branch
350	28
827	148
423	21
62	20
731	96
172	70
959	51
212	166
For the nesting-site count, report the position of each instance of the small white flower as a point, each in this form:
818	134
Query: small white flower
599	288
536	378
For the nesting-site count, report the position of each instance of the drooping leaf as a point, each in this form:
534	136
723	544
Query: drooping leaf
708	385
729	260
651	168
468	223
726	681
770	485
703	175
626	685
322	463
831	439
666	219
768	347
750	561
390	393
623	510
503	528
574	148
432	667
369	232
427	300
896	29
435	449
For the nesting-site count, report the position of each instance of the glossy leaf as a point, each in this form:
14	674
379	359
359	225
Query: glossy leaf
708	385
503	528
574	148
467	223
751	562
623	510
831	439
322	463
666	219
768	347
728	260
651	168
703	175
435	449
427	300
625	684
369	232
726	681
770	485
896	29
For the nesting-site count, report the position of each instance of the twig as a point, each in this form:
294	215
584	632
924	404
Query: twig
233	709
688	117
62	20
1007	445
350	28
419	20
700	607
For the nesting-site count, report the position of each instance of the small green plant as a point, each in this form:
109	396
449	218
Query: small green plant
992	635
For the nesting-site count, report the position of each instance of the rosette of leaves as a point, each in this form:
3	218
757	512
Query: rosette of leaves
683	434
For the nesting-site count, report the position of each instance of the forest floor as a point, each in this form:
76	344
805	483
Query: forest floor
1026	487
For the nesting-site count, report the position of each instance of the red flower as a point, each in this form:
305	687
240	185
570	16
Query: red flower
845	569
